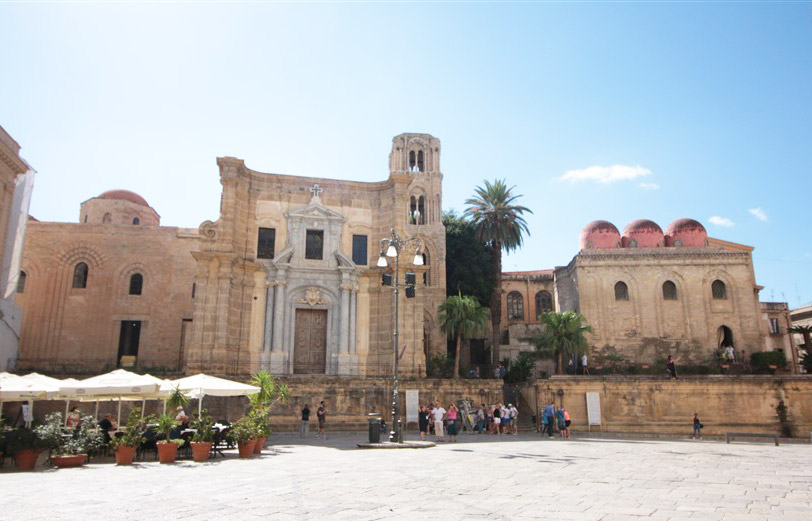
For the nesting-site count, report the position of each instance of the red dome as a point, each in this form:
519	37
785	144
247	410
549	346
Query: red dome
643	233
124	195
686	233
599	235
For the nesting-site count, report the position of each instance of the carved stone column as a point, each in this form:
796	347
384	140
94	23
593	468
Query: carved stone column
353	349
269	307
279	357
344	325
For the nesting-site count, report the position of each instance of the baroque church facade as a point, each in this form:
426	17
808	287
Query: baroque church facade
283	280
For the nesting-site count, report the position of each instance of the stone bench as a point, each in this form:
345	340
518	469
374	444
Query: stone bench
731	435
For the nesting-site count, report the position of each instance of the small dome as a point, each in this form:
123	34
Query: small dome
124	195
643	233
686	233
599	235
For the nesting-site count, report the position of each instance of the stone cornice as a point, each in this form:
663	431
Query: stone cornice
13	161
657	253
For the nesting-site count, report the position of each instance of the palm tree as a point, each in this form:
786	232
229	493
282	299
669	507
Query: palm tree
500	224
462	317
562	333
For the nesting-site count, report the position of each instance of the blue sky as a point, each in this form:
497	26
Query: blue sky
712	102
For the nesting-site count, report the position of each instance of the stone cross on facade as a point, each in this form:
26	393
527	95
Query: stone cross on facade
316	190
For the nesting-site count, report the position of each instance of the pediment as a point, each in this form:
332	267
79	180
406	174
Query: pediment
315	211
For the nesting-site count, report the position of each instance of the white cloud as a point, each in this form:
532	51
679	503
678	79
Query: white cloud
605	174
721	221
649	186
758	213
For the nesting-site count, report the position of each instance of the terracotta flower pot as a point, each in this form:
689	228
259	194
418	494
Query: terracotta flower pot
124	455
247	449
260	445
72	460
167	452
27	459
201	451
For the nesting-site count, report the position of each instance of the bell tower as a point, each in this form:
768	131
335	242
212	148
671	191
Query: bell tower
415	154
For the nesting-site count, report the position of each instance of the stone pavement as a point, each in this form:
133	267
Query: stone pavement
478	478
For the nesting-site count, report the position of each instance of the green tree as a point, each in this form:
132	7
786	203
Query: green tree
500	225
562	333
468	260
806	331
461	317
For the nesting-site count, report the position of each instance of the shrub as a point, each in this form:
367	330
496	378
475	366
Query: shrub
521	369
84	439
204	426
133	432
762	361
440	366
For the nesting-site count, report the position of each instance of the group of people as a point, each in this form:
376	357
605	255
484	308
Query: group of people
321	416
438	417
552	417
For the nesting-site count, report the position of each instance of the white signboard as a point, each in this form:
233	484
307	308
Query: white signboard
593	408
411	406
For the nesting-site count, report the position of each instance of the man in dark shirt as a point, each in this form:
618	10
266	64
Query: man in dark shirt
304	429
107	425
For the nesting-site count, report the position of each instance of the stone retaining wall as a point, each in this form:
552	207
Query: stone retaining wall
657	405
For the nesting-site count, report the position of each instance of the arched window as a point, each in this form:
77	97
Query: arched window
621	291
544	302
420	161
669	290
427	273
719	290
515	306
414	215
136	220
107	219
421	209
21	282
80	276
136	283
412	161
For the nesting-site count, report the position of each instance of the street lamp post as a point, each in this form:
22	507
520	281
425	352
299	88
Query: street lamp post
391	247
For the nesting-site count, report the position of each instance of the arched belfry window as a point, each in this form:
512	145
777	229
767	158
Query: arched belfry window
80	273
412	161
107	218
515	306
136	283
21	282
421	209
136	220
414	214
420	164
621	291
427	273
544	302
719	290
669	290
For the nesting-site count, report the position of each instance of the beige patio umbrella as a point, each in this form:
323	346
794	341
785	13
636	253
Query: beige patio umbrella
115	385
200	385
17	388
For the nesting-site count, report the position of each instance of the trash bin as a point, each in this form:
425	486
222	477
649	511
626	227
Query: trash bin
374	427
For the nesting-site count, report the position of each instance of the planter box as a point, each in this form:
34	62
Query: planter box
167	452
124	455
201	451
260	445
27	459
71	460
247	449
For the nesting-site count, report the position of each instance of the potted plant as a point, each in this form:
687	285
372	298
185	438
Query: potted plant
260	413
261	418
131	437
201	443
167	448
244	432
69	449
24	444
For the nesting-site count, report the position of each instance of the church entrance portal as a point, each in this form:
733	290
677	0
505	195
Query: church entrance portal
310	350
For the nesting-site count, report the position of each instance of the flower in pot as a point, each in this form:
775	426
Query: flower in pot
24	444
244	432
203	438
69	449
131	437
167	448
269	393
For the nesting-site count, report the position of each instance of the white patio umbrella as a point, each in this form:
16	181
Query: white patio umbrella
200	385
115	385
18	388
53	382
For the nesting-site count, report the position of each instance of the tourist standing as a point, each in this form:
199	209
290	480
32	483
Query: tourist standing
480	418
321	416
73	418
497	419
584	365
567	421
549	418
514	418
453	426
562	423
504	413
304	427
438	413
730	354
423	421
671	367
697	428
